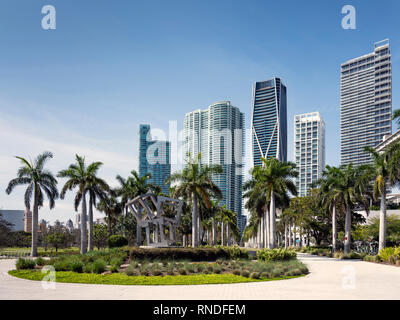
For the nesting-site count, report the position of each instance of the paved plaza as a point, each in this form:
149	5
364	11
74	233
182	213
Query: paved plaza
329	279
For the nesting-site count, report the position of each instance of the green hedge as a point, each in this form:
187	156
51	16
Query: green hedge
117	241
192	254
275	254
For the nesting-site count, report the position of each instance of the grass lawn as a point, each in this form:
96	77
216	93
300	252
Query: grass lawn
123	279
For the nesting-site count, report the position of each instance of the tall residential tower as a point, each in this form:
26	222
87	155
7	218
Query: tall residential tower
217	133
154	158
269	121
365	103
309	149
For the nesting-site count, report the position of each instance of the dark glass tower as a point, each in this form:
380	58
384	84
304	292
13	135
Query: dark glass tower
154	158
269	121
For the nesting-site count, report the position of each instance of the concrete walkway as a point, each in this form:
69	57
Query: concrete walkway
329	279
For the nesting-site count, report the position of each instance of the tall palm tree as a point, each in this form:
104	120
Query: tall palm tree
330	193
39	181
135	185
112	208
97	188
275	177
82	177
195	182
385	173
352	189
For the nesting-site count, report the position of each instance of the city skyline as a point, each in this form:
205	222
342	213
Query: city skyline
74	92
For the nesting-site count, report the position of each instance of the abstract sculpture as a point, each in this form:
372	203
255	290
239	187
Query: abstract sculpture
150	214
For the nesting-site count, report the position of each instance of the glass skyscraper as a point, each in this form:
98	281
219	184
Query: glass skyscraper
217	133
365	103
309	150
154	158
269	121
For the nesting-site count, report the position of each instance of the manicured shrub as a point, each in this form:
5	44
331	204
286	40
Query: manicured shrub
117	241
255	275
182	271
76	266
265	275
156	272
338	255
25	264
99	266
275	254
40	262
236	272
245	273
88	267
385	253
392	259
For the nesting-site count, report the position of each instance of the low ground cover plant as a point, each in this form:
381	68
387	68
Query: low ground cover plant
119	261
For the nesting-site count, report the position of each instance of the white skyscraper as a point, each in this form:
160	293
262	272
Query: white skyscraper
217	133
365	103
309	149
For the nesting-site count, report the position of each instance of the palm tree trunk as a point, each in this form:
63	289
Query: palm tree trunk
228	241
382	221
35	220
222	233
90	238
290	234
272	226
286	235
334	228
214	231
83	225
194	221
268	228
347	240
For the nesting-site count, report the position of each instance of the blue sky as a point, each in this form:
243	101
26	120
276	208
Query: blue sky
111	65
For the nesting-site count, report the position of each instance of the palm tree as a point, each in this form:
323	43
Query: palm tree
97	189
275	178
195	182
385	173
39	181
330	193
352	188
132	187
112	208
81	176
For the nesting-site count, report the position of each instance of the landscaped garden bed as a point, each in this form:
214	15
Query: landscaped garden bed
145	267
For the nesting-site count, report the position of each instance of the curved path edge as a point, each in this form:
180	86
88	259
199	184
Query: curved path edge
328	279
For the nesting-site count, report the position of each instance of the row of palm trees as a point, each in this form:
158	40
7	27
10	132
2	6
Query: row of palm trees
345	187
194	184
82	179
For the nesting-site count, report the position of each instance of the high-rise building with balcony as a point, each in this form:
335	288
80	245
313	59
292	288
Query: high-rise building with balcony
269	121
309	149
154	158
218	134
365	103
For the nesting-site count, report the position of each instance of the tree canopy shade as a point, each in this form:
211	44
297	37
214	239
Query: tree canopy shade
195	182
40	182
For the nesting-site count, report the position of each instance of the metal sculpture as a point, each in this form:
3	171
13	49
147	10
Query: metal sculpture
148	210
